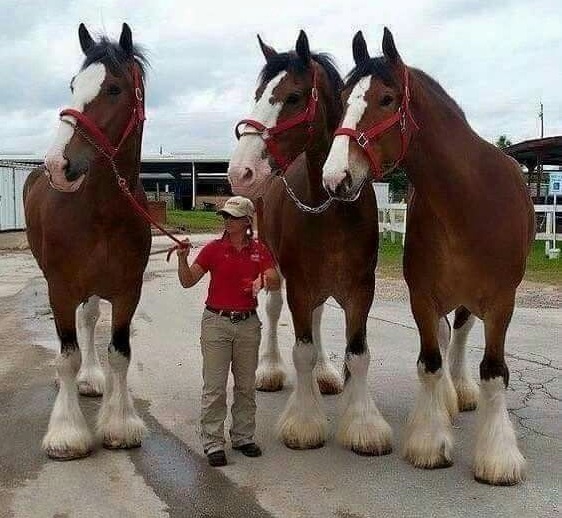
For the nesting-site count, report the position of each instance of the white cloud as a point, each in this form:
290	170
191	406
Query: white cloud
498	60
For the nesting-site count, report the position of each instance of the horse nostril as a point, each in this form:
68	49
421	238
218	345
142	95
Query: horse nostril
248	174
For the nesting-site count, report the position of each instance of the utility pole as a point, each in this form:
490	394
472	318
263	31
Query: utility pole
541	117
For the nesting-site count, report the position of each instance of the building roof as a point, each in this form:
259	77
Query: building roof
548	150
148	158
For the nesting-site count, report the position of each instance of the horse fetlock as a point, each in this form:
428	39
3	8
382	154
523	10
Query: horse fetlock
429	446
67	442
270	376
91	382
365	434
303	424
328	378
467	393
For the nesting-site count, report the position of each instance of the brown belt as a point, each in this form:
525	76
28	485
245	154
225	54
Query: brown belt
234	316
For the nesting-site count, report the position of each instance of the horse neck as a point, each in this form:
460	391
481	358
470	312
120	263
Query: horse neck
433	159
103	183
317	152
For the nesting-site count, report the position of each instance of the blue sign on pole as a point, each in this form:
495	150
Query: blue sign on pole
555	184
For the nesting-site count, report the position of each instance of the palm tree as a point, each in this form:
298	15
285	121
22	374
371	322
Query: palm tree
503	142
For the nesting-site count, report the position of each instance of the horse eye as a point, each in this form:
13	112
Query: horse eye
293	99
386	100
113	90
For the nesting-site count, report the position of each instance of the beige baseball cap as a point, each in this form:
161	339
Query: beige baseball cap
238	206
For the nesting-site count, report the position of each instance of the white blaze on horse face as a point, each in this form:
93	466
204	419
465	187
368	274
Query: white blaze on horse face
249	166
338	162
86	86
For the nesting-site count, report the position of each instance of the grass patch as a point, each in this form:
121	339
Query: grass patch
539	267
194	221
542	269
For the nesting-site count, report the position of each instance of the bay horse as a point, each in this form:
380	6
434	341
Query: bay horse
329	254
88	241
466	244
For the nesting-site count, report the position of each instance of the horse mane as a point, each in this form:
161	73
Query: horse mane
111	54
380	68
291	62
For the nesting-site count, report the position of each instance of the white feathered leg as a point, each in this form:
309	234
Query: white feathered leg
303	424
497	459
91	379
465	386
327	376
271	374
118	423
67	436
362	427
429	438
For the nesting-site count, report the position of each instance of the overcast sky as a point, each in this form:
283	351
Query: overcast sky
498	59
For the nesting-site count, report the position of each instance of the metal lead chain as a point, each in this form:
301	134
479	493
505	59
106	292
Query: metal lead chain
301	205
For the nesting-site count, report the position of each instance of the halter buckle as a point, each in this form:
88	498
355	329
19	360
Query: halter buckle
314	93
138	93
362	140
265	134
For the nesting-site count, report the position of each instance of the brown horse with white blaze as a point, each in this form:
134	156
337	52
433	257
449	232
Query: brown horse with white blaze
328	254
465	248
90	243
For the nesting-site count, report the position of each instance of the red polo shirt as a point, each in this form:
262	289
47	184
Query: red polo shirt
232	272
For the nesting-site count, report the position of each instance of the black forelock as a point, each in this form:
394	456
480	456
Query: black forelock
292	63
378	67
111	54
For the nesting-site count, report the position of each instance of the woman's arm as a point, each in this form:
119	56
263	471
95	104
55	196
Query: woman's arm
188	275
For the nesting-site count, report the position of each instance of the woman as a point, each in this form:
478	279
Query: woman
230	329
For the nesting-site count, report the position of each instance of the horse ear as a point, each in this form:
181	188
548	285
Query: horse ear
389	48
86	41
126	39
268	52
360	52
302	47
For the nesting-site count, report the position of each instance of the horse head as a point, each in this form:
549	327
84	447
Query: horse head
107	108
295	104
377	125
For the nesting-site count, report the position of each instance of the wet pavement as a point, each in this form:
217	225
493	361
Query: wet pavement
169	476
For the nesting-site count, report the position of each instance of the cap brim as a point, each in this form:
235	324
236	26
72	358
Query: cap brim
232	212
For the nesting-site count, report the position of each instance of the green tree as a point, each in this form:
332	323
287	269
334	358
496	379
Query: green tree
503	142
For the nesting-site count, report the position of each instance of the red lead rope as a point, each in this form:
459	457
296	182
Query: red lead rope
144	213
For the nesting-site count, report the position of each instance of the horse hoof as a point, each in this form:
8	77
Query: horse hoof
121	445
270	380
297	446
330	387
85	389
269	388
63	454
502	482
372	453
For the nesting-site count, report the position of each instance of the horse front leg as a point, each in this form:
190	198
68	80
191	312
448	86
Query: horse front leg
91	380
68	436
118	424
429	438
327	376
303	424
465	386
270	374
498	460
362	427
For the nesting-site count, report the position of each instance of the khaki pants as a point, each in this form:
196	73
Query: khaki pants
225	345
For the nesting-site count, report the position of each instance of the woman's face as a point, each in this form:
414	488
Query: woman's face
235	225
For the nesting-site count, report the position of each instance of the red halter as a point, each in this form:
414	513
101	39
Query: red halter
269	134
99	138
363	138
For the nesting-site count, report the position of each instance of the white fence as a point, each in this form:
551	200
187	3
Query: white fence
12	178
392	221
